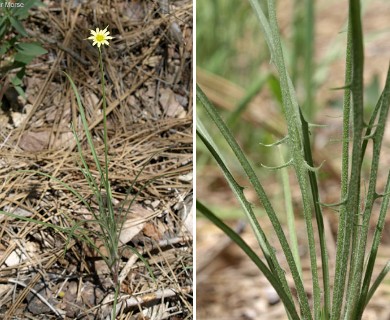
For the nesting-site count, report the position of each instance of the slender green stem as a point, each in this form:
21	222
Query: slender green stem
105	141
378	281
105	135
296	58
364	297
302	297
294	125
309	105
382	103
253	256
371	196
318	215
290	214
343	232
85	123
353	203
268	251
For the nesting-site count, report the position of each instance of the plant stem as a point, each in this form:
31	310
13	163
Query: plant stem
371	196
290	214
353	202
303	300
253	256
318	214
107	211
343	232
295	141
309	105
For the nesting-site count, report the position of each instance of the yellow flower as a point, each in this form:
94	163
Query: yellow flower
100	37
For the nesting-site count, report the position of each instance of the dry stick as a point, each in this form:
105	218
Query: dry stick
174	276
45	86
28	230
126	269
158	295
42	298
146	298
190	106
12	247
155	296
24	293
118	22
133	259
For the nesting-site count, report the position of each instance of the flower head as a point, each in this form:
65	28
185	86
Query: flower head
100	37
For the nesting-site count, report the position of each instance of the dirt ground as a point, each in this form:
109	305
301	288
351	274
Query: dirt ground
148	75
229	286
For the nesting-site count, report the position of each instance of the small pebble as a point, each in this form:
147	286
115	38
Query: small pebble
272	296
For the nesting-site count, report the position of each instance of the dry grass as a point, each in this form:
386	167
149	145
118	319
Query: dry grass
149	95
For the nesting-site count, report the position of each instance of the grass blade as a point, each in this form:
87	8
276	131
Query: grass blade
371	194
378	281
303	299
344	229
253	256
365	296
294	125
290	214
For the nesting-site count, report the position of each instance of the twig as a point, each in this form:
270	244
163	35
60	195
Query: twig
43	299
158	295
126	269
60	46
150	297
